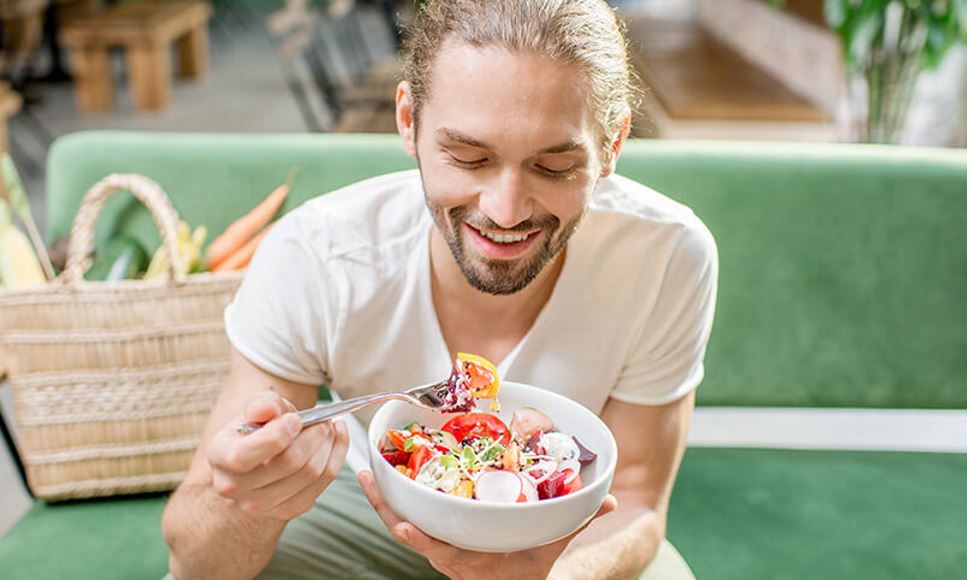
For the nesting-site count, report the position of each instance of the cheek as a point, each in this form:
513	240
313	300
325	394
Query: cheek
446	185
565	200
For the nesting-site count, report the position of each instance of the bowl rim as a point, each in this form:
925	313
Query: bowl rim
588	489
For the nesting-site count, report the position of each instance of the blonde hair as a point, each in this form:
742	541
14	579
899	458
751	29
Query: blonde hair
583	33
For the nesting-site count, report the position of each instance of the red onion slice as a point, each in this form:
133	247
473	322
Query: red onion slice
574	466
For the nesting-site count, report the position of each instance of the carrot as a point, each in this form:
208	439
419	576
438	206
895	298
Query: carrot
236	236
241	257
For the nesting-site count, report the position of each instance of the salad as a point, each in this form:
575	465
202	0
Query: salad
472	377
475	455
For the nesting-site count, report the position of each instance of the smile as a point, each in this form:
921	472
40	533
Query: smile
504	238
507	246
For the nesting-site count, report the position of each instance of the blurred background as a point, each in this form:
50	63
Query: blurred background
882	71
891	71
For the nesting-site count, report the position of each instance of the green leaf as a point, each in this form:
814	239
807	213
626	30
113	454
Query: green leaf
867	25
959	8
4	215
836	12
12	190
469	457
493	452
449	461
408	445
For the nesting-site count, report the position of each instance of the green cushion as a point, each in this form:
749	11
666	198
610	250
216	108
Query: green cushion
96	540
741	514
842	266
736	514
843	269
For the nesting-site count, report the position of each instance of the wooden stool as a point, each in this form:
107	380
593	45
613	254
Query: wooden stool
145	31
9	105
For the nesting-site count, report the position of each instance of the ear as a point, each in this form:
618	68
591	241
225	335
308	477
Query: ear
404	118
616	145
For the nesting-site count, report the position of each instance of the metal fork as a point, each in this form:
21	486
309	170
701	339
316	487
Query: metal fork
432	396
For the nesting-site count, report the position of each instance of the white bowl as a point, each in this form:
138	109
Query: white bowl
489	526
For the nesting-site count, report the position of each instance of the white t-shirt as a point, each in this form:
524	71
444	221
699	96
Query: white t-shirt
339	293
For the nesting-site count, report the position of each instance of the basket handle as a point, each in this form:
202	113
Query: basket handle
81	244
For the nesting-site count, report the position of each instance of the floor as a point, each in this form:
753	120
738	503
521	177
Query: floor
248	89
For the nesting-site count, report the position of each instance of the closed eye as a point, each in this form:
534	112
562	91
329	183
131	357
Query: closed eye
467	163
554	172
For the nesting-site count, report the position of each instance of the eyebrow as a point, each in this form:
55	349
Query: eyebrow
446	134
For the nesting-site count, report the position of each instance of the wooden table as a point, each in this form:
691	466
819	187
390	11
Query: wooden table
144	30
696	76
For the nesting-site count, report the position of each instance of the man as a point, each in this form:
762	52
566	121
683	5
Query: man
514	241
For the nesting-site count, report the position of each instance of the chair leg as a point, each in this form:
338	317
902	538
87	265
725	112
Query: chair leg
193	53
148	71
94	83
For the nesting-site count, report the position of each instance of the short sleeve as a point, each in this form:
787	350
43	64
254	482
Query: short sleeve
666	360
281	315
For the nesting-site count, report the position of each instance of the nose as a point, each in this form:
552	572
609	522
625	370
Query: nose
505	199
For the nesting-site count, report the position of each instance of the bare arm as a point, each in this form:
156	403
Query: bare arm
651	442
226	517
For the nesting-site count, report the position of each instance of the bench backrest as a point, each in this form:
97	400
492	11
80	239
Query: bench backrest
843	268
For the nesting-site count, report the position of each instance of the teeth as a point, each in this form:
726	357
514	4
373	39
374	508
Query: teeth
508	239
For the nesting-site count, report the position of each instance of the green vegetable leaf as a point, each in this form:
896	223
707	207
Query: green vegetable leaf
493	453
12	190
469	458
449	461
408	444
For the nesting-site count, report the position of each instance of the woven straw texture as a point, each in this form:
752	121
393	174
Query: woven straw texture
113	381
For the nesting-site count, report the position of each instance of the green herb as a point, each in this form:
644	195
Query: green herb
449	461
492	453
469	457
408	444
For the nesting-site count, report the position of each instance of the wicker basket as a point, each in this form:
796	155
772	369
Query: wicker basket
113	381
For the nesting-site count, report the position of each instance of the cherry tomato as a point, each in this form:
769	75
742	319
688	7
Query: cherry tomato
421	455
396	457
477	425
397	437
484	380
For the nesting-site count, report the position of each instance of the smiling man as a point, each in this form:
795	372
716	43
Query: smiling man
514	240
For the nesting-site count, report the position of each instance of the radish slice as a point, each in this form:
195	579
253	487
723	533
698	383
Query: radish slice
499	486
575	468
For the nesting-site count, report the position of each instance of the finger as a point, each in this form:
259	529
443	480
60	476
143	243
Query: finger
413	537
242	453
266	406
389	517
302	502
301	478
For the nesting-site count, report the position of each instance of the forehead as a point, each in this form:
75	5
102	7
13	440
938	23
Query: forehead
518	99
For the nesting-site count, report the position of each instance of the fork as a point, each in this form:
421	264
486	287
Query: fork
432	396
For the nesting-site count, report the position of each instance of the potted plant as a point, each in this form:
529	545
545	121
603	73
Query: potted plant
886	45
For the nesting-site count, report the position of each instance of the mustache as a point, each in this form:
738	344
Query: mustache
482	222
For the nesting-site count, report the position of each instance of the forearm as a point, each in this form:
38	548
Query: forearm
619	548
209	538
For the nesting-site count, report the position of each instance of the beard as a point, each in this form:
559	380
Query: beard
500	277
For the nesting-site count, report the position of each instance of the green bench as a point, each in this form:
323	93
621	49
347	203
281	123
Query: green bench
843	277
